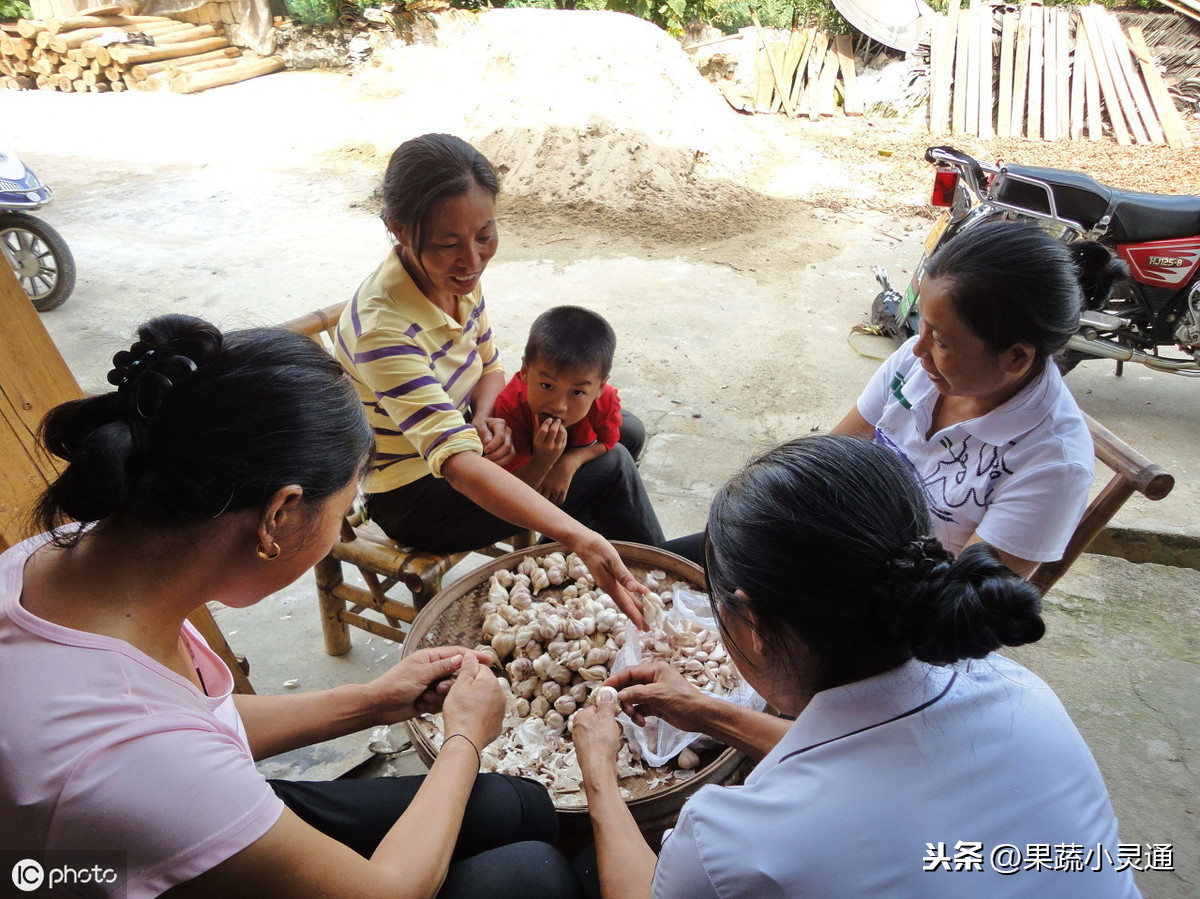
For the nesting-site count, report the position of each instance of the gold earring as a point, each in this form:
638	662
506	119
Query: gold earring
268	555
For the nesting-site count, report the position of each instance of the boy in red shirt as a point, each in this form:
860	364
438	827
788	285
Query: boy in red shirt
566	425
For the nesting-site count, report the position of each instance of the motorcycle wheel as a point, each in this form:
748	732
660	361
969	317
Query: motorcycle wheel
39	257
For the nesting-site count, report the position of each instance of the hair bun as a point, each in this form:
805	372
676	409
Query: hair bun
911	567
971	607
1098	269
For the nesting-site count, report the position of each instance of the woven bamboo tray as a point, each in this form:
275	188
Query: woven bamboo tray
453	618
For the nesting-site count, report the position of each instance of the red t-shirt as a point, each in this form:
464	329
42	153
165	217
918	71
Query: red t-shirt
602	423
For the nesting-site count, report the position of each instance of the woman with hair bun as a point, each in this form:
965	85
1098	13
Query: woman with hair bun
220	469
908	749
976	404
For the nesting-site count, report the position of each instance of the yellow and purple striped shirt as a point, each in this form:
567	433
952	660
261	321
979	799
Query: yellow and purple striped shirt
414	368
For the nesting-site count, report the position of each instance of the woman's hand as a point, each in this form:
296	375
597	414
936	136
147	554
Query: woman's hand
659	690
597	737
417	683
497	440
612	576
474	706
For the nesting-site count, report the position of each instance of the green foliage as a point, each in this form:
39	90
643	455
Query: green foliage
11	10
672	15
310	12
735	14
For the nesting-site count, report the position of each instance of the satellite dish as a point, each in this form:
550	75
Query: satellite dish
894	23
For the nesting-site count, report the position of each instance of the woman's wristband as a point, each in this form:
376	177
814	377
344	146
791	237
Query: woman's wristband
478	754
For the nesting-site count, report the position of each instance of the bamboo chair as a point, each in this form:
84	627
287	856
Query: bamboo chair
382	562
202	619
1131	471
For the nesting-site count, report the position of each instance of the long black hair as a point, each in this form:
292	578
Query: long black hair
202	423
830	538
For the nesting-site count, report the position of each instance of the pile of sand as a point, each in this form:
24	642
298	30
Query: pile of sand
585	111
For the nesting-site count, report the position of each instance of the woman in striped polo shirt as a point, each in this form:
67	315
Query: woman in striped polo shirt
417	344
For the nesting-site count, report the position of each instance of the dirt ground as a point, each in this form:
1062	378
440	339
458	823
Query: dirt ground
255	203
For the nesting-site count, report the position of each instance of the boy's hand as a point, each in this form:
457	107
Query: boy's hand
557	481
549	441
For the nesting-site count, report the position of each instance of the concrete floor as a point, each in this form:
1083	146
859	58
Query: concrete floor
725	348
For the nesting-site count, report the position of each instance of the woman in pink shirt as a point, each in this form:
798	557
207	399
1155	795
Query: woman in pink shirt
219	469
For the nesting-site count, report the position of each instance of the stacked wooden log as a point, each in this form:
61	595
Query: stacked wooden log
107	51
805	72
1047	73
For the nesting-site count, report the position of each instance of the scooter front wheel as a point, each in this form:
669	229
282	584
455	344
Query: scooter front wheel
39	257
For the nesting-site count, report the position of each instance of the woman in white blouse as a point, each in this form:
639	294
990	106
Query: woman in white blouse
911	759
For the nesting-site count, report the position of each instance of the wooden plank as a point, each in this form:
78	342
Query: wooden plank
1036	50
1008	46
1063	72
791	58
778	85
808	97
1145	108
962	41
852	105
1103	38
1049	70
1164	106
971	124
1091	85
799	79
1077	80
826	101
985	64
762	81
942	74
1108	88
936	23
1190	12
1021	72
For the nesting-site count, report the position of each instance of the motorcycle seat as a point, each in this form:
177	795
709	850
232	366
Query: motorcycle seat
1136	217
1140	217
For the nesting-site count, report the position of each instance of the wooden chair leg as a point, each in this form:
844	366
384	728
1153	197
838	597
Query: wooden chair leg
423	588
337	633
523	540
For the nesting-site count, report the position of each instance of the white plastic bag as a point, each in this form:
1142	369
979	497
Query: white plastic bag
659	742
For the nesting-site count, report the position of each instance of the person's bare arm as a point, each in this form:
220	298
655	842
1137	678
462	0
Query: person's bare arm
854	425
509	498
558	480
624	858
276	724
293	859
1023	567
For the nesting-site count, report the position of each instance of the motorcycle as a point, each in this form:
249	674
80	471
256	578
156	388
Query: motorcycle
1157	236
37	253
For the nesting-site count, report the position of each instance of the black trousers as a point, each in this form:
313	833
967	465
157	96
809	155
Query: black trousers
690	547
505	849
606	494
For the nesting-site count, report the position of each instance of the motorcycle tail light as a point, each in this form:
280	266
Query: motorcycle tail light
945	181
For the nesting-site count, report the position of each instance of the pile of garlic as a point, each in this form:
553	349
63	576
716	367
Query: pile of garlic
556	636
